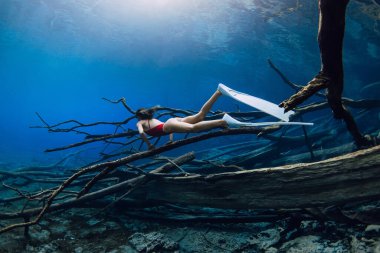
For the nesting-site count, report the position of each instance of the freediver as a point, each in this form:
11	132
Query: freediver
190	124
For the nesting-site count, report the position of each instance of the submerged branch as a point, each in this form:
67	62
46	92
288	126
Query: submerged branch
74	202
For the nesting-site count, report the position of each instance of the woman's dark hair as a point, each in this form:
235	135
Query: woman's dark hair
145	113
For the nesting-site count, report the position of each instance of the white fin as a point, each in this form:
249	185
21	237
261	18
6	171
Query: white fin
233	123
258	103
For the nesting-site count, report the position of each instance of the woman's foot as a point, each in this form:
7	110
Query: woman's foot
224	124
230	122
319	82
222	89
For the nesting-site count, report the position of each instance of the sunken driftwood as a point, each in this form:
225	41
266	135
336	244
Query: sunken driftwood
339	180
132	184
335	181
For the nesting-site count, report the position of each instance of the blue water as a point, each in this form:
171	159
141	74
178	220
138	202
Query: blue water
59	58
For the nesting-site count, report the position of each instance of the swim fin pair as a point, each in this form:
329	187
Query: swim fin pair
260	104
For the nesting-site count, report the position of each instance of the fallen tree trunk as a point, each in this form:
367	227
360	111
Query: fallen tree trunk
335	181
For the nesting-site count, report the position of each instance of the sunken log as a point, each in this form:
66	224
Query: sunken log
335	181
339	180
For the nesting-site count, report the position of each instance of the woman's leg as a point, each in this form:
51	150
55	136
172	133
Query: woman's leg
177	125
204	110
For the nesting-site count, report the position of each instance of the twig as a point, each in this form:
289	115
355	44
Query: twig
16	190
170	161
287	81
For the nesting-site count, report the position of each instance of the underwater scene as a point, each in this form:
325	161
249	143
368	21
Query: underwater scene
189	126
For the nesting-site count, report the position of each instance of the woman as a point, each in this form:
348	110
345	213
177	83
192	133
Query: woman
191	124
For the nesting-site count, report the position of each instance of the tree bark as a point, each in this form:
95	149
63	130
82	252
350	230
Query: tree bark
335	181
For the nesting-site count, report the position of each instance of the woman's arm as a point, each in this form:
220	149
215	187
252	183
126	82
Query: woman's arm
171	137
143	136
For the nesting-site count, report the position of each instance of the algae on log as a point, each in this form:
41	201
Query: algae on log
342	179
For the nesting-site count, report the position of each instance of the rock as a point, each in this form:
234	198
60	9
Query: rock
313	244
374	228
309	225
308	244
78	250
90	232
69	236
133	225
271	250
265	239
125	249
58	229
29	248
40	236
360	246
222	241
11	243
226	239
46	248
44	223
100	229
151	242
111	225
93	222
